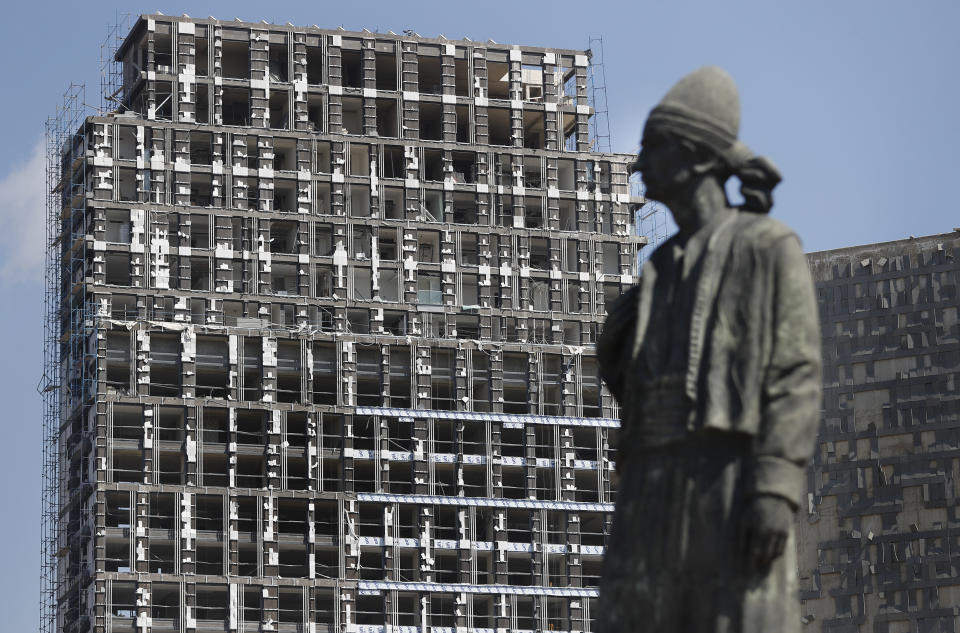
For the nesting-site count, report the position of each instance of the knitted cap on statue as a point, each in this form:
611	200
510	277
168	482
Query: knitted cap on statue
704	107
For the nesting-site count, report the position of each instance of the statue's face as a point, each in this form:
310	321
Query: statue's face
665	166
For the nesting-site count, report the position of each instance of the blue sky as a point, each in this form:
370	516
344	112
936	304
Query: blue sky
855	101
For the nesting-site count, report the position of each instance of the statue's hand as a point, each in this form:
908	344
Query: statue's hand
763	532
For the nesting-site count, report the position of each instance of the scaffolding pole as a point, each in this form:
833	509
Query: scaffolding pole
600	139
59	129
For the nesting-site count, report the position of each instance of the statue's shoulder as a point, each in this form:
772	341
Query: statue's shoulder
663	252
758	231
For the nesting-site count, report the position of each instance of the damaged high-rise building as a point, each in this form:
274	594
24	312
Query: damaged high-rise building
321	307
879	540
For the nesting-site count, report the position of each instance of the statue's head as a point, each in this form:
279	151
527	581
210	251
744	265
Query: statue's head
692	133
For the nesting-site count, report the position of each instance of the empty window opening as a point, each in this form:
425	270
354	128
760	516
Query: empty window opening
515	387
362	284
359	201
322	198
393	207
387	120
290	604
590	387
433	165
442	368
387	244
201	53
252	368
611	258
127	185
325	281
432	208
429	70
279	62
123	602
369	379
351	64
283	279
253	155
117	269
463	123
540	253
283	237
431	121
468	249
568	215
203	104
236	56
279	110
323	244
126	142
314	65
213	364
531	78
498	80
324	377
127	423
540	301
533	129
464	167
212	601
359	159
389	283
533	212
285	154
124	307
428	247
289	371
210	559
315	112
200	273
199	231
569	132
201	190
386	63
469	296
352	115
532	172
323	157
164	100
498	123
400	379
236	106
250	470
163	50
358	321
215	427
164	603
394	322
465	210
118	362
566	175
429	290
118	226
201	148
392	162
461	74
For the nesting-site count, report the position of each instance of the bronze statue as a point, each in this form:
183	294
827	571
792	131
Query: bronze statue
714	358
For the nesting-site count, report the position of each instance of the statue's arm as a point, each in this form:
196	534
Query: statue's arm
791	397
616	341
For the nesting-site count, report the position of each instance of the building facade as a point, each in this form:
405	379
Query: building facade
324	306
879	543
